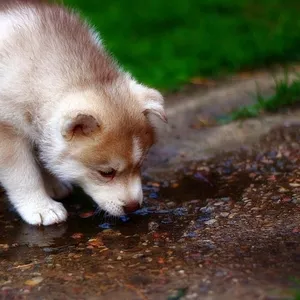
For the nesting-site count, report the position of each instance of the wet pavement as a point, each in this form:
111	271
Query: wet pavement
223	228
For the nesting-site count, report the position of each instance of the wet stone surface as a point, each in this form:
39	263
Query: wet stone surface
220	229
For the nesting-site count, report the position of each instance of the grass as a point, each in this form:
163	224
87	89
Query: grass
286	93
166	43
296	290
297	295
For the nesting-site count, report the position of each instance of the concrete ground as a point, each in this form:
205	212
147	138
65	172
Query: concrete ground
220	220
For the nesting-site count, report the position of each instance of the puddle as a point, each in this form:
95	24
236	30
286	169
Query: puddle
189	188
168	207
202	187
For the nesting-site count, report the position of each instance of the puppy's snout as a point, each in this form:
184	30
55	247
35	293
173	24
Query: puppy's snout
131	207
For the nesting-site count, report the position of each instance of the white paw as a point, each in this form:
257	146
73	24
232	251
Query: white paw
46	213
57	189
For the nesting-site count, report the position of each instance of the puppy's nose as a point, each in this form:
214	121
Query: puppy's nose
131	207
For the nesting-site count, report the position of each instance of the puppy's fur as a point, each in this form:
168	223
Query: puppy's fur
62	96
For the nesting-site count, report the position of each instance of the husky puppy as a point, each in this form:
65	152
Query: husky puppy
62	96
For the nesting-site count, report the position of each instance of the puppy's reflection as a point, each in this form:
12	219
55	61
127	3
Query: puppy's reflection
34	236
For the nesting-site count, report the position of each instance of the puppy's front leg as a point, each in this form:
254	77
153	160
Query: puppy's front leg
55	188
23	181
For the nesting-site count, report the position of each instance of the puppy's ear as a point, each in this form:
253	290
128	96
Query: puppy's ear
79	126
154	104
151	100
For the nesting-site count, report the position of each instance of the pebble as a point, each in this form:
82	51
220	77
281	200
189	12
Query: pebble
225	199
207	209
25	291
167	220
152	226
180	211
149	259
104	226
220	273
210	222
192	296
224	214
296	200
124	219
138	255
255	208
171	204
232	215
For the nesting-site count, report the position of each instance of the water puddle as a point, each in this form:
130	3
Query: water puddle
168	207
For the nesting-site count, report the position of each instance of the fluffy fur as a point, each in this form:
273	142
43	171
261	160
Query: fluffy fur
63	97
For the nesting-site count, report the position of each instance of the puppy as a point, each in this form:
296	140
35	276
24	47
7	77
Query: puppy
62	96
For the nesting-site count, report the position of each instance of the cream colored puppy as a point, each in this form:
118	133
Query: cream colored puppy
68	114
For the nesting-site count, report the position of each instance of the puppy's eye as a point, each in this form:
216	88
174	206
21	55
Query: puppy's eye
108	174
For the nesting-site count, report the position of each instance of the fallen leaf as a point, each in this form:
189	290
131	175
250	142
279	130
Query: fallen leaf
272	178
282	190
95	242
243	75
161	260
24	267
34	281
77	235
154	184
286	199
86	214
203	81
4	246
204	120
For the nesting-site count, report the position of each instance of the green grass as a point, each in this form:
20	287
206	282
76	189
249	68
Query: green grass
296	290
297	295
166	43
286	93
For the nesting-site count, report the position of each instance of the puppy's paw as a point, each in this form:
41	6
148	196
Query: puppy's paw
46	213
57	189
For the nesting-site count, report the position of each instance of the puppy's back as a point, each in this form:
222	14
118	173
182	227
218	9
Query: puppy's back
7	4
51	41
47	50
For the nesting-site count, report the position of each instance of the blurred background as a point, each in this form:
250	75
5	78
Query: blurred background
167	43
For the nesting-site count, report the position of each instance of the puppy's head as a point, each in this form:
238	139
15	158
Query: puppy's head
105	142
